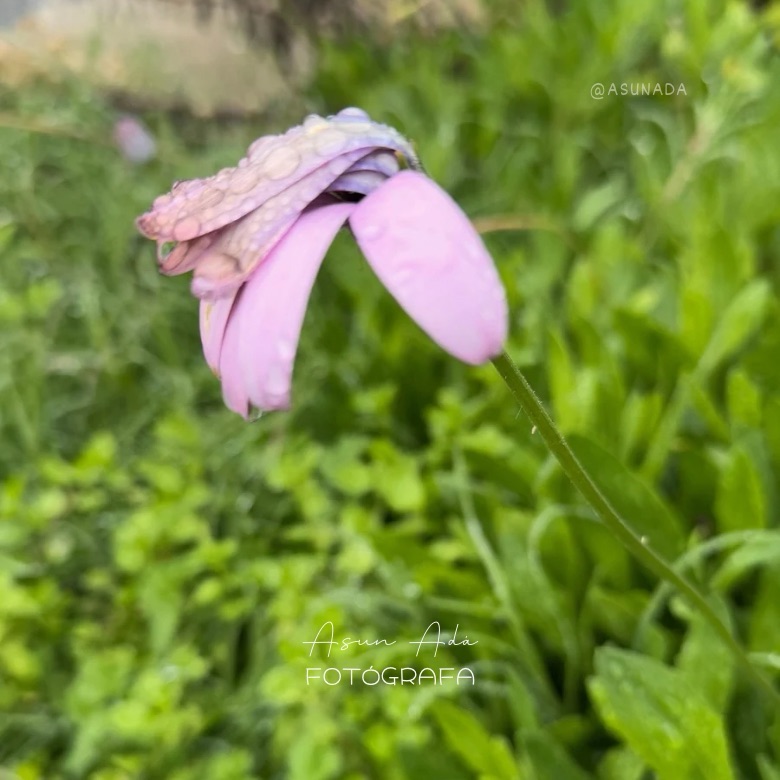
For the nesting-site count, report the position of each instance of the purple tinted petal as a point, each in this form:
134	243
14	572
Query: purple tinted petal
361	182
367	173
262	334
428	255
382	162
200	206
245	244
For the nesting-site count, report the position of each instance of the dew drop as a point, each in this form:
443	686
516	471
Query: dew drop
260	145
186	228
313	120
281	162
255	414
242	182
352	113
329	142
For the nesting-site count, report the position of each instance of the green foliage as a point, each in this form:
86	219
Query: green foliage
163	564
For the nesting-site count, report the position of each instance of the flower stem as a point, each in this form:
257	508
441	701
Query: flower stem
574	470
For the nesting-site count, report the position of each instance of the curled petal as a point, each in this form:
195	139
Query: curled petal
242	246
201	206
382	162
367	173
261	338
360	182
184	256
428	255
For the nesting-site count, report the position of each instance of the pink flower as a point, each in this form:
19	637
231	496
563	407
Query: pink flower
255	237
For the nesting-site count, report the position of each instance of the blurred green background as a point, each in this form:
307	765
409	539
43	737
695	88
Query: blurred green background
162	562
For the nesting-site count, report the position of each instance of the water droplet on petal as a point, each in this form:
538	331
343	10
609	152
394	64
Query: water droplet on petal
186	228
255	414
352	113
260	145
244	181
281	162
314	120
329	142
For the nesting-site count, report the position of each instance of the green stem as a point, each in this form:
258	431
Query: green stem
532	406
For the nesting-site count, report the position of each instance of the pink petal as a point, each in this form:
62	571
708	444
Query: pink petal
200	206
262	334
213	321
243	245
428	255
185	255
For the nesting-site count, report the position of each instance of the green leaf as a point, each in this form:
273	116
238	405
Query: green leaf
621	764
396	477
740	503
548	759
743	317
661	716
761	549
485	754
707	662
597	202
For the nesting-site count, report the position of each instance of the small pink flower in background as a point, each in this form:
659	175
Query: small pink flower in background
134	140
255	236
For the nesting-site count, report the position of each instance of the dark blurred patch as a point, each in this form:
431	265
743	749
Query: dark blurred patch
277	25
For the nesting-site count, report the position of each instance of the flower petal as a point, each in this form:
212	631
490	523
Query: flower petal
185	255
360	182
428	255
380	161
213	321
262	333
200	206
243	245
367	173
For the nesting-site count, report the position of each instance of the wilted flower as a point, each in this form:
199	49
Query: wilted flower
255	237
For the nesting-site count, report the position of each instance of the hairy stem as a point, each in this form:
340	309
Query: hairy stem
532	406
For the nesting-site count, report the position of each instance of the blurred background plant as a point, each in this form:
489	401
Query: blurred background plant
162	562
